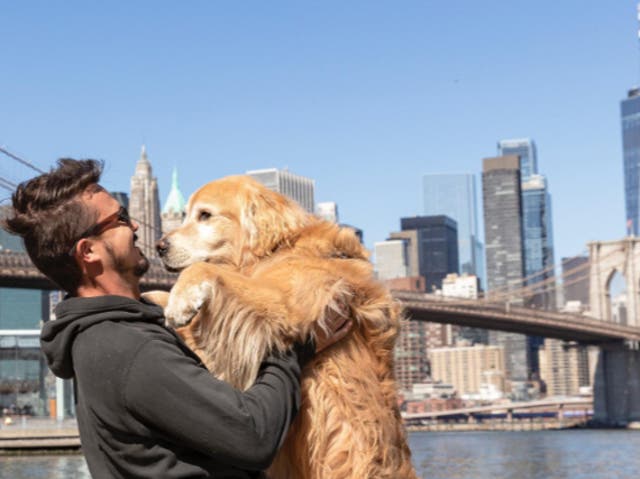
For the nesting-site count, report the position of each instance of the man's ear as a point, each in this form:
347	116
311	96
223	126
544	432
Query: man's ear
86	251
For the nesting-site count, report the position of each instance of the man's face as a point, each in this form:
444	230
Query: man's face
117	239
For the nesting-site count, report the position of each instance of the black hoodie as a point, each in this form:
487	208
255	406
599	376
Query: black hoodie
148	408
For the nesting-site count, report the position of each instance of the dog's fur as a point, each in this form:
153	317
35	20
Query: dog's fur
257	273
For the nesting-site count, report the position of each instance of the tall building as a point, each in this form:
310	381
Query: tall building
630	113
525	149
538	242
144	205
174	207
454	195
296	187
437	239
537	233
502	197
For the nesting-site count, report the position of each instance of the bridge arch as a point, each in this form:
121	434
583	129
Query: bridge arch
608	259
616	293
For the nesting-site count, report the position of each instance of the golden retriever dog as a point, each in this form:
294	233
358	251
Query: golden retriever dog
257	273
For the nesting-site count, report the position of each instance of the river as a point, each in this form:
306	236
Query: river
574	454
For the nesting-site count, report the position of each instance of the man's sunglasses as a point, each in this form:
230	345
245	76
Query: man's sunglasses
119	217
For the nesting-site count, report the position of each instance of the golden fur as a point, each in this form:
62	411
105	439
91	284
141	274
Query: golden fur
257	273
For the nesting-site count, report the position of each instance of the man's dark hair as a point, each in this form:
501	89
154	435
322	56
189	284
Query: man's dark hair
50	217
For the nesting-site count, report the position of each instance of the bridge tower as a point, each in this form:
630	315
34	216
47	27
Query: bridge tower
616	394
607	258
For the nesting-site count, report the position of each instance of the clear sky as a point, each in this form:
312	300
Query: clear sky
365	97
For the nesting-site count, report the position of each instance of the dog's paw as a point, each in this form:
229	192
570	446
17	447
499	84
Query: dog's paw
185	303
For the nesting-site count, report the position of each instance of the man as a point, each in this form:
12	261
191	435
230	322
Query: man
146	405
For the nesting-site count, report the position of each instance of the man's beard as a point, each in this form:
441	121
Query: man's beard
122	267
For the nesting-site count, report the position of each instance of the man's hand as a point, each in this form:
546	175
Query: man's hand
338	325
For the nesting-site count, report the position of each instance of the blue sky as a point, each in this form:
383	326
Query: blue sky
364	97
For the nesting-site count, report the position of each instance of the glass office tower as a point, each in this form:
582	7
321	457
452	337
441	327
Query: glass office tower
538	241
454	195
524	148
630	113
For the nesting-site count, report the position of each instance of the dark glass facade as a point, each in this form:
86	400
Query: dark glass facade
630	112
437	247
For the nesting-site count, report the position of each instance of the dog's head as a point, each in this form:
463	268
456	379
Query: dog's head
236	221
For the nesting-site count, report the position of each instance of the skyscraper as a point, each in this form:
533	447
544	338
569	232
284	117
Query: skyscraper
454	195
144	205
504	247
538	241
174	207
296	187
437	238
536	223
630	113
524	148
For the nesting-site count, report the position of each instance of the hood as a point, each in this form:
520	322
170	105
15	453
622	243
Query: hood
74	315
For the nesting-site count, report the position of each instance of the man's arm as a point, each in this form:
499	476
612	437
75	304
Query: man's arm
175	396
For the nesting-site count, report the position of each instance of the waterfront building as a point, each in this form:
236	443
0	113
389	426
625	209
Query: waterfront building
454	195
173	211
437	243
630	114
144	205
410	358
469	368
328	210
564	367
296	187
501	191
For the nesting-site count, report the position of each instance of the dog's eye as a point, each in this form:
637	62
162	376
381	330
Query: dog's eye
204	216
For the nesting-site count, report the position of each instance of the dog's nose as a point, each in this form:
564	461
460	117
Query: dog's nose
162	246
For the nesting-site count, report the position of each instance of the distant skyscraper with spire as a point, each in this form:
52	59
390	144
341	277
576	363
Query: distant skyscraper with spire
144	205
174	208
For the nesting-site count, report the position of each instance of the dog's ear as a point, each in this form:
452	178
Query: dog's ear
269	220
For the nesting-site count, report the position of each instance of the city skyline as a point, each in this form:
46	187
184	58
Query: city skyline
363	99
